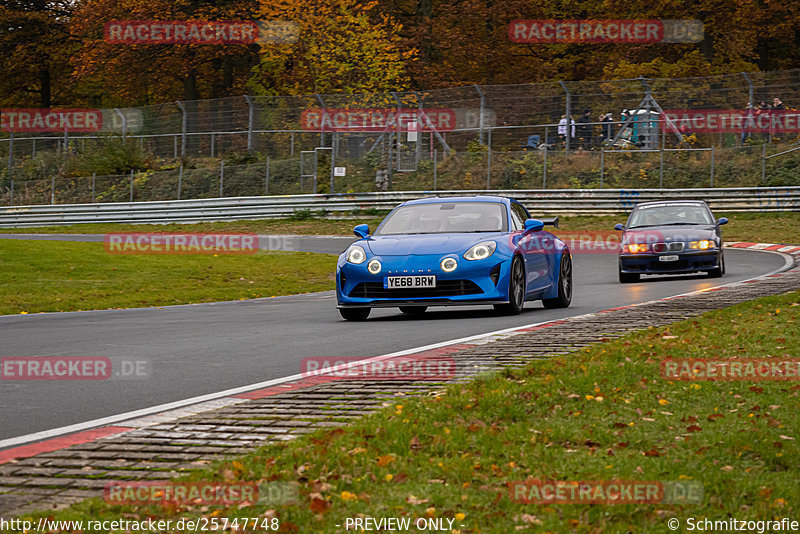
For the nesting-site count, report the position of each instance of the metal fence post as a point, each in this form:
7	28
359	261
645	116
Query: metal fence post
11	155
544	168
750	88
661	170
250	121
712	165
131	185
33	143
94	178
221	175
333	161
180	180
184	127
435	165
602	164
322	125
212	144
266	179
53	189
483	106
124	120
291	149
763	162
568	115
12	193
489	163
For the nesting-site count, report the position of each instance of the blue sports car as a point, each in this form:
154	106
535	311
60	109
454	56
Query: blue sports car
671	237
454	251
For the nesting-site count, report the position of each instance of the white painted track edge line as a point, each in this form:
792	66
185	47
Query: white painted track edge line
120	418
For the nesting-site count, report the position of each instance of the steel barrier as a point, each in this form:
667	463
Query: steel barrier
539	202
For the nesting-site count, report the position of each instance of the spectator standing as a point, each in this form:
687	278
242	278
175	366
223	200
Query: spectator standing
585	130
777	104
748	116
608	126
563	129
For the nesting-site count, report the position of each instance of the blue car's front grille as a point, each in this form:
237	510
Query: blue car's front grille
444	288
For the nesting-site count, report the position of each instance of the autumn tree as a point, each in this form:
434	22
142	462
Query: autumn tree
338	46
146	73
35	47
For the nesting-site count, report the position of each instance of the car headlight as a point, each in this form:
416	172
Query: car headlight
374	267
636	247
480	251
705	244
356	254
449	265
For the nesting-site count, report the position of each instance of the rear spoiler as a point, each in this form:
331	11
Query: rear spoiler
553	221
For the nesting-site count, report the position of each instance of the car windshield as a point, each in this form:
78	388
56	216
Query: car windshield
669	215
445	217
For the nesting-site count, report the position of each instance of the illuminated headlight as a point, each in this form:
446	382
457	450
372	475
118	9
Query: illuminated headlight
449	265
702	245
637	247
480	251
356	254
374	266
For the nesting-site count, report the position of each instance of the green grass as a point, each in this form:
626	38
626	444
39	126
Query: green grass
599	414
764	227
306	226
51	276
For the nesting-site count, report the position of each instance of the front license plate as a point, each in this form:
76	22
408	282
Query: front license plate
404	282
673	257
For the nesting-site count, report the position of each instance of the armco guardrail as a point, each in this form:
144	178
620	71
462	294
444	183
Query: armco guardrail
540	202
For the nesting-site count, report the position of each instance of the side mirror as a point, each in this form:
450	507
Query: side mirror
533	225
362	231
619	227
721	221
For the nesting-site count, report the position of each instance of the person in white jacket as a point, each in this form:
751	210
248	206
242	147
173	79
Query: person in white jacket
562	129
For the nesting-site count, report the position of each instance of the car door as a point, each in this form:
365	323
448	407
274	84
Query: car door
536	248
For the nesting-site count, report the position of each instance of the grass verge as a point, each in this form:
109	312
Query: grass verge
604	413
763	227
69	276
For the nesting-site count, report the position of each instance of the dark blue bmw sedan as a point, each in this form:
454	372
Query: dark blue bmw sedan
671	237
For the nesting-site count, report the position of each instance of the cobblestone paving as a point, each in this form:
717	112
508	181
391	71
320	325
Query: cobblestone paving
168	446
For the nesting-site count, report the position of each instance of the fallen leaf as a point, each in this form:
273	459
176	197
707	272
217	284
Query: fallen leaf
411	499
385	460
319	506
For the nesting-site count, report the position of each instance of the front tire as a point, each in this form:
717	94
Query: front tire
719	271
516	289
354	314
413	310
564	298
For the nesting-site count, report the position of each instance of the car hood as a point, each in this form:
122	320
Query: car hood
420	244
662	234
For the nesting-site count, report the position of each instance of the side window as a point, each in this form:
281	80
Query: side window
518	216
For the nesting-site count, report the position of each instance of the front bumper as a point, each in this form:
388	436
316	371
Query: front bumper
472	282
687	262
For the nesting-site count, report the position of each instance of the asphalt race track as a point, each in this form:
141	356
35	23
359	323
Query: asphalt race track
206	348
